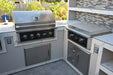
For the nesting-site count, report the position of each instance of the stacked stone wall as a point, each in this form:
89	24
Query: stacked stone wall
98	4
95	18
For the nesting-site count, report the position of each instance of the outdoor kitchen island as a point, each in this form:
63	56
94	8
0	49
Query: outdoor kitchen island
13	58
88	19
104	56
82	46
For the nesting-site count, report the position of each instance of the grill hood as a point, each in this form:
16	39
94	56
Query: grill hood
37	17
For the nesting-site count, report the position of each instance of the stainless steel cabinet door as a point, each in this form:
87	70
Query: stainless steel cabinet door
78	58
37	54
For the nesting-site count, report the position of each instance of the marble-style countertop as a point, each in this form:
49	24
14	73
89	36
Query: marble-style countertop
108	38
7	28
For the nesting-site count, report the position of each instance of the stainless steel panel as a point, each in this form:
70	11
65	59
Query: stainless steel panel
78	58
88	28
29	17
37	54
35	26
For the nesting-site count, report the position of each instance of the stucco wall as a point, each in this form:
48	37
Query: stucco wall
14	58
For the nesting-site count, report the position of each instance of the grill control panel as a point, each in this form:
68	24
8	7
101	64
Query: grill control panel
36	35
81	40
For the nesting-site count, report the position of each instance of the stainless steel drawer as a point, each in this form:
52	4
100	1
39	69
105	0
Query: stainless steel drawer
37	54
78	58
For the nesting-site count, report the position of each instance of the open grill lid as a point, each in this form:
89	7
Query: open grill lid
30	17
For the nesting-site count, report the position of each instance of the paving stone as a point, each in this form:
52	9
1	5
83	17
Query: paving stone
55	68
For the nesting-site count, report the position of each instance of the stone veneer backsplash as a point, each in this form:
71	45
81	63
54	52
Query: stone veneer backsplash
95	18
99	4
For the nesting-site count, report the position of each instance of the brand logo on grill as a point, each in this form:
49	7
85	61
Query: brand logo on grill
35	18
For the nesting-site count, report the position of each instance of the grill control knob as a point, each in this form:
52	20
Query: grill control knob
81	40
44	34
50	33
32	36
76	37
38	34
71	35
25	36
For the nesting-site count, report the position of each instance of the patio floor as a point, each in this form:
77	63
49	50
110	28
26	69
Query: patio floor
56	68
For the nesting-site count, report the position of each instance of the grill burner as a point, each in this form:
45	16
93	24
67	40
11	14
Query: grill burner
34	25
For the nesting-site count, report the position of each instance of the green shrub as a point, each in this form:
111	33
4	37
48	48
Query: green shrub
59	9
52	1
65	0
7	6
34	6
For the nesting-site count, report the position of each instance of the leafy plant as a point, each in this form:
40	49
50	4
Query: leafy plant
63	12
55	9
59	11
52	1
34	6
7	6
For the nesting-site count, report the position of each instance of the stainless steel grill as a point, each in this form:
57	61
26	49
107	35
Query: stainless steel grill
33	19
34	25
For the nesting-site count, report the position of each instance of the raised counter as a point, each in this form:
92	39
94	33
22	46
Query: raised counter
106	38
7	28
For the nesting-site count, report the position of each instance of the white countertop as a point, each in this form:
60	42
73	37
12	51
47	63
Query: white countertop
7	28
11	27
61	23
108	38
